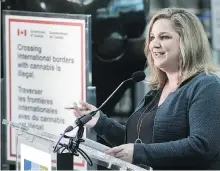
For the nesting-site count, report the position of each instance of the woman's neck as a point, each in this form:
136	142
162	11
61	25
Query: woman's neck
173	79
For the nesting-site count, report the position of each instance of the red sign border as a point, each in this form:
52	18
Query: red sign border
82	30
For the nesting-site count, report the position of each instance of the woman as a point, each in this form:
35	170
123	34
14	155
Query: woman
176	125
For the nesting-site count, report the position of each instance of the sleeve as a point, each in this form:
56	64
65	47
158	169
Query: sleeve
203	142
110	130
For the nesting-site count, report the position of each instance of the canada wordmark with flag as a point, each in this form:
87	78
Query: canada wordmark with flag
21	32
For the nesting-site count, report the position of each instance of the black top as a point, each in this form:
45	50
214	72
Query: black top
146	114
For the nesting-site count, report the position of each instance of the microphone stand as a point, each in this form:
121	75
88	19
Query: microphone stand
74	142
80	122
73	146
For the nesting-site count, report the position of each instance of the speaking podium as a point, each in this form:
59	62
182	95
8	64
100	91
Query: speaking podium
32	144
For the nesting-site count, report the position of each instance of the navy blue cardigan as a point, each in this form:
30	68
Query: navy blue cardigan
186	132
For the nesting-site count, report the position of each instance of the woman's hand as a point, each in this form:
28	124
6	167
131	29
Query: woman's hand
124	152
84	109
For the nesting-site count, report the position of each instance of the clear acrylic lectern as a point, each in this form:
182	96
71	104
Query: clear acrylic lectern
30	142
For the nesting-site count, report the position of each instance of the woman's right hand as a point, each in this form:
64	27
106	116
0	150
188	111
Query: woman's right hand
84	109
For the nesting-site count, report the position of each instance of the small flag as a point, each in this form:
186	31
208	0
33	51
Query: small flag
21	32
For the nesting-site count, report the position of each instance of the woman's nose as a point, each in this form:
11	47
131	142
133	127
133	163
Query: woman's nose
156	43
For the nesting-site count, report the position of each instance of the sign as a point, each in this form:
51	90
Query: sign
45	72
39	161
215	8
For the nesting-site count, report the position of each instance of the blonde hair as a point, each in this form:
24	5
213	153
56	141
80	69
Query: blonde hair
195	51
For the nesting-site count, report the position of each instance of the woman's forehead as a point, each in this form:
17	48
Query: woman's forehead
162	25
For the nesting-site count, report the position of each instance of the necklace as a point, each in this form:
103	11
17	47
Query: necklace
141	118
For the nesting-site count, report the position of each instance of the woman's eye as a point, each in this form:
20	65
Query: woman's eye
151	38
165	37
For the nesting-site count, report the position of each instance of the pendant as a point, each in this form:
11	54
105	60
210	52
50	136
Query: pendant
138	140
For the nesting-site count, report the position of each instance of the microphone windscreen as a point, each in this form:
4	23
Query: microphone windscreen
68	129
138	76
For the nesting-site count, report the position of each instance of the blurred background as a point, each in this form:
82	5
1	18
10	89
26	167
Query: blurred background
118	35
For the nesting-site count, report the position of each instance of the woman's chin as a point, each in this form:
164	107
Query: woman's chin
159	64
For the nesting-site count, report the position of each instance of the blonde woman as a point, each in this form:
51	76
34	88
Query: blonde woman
176	125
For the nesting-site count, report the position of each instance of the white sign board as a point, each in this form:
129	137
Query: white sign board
215	8
39	161
45	71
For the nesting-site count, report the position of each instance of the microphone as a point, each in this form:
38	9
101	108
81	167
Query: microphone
136	77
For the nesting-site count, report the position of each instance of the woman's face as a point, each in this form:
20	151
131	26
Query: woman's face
164	45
